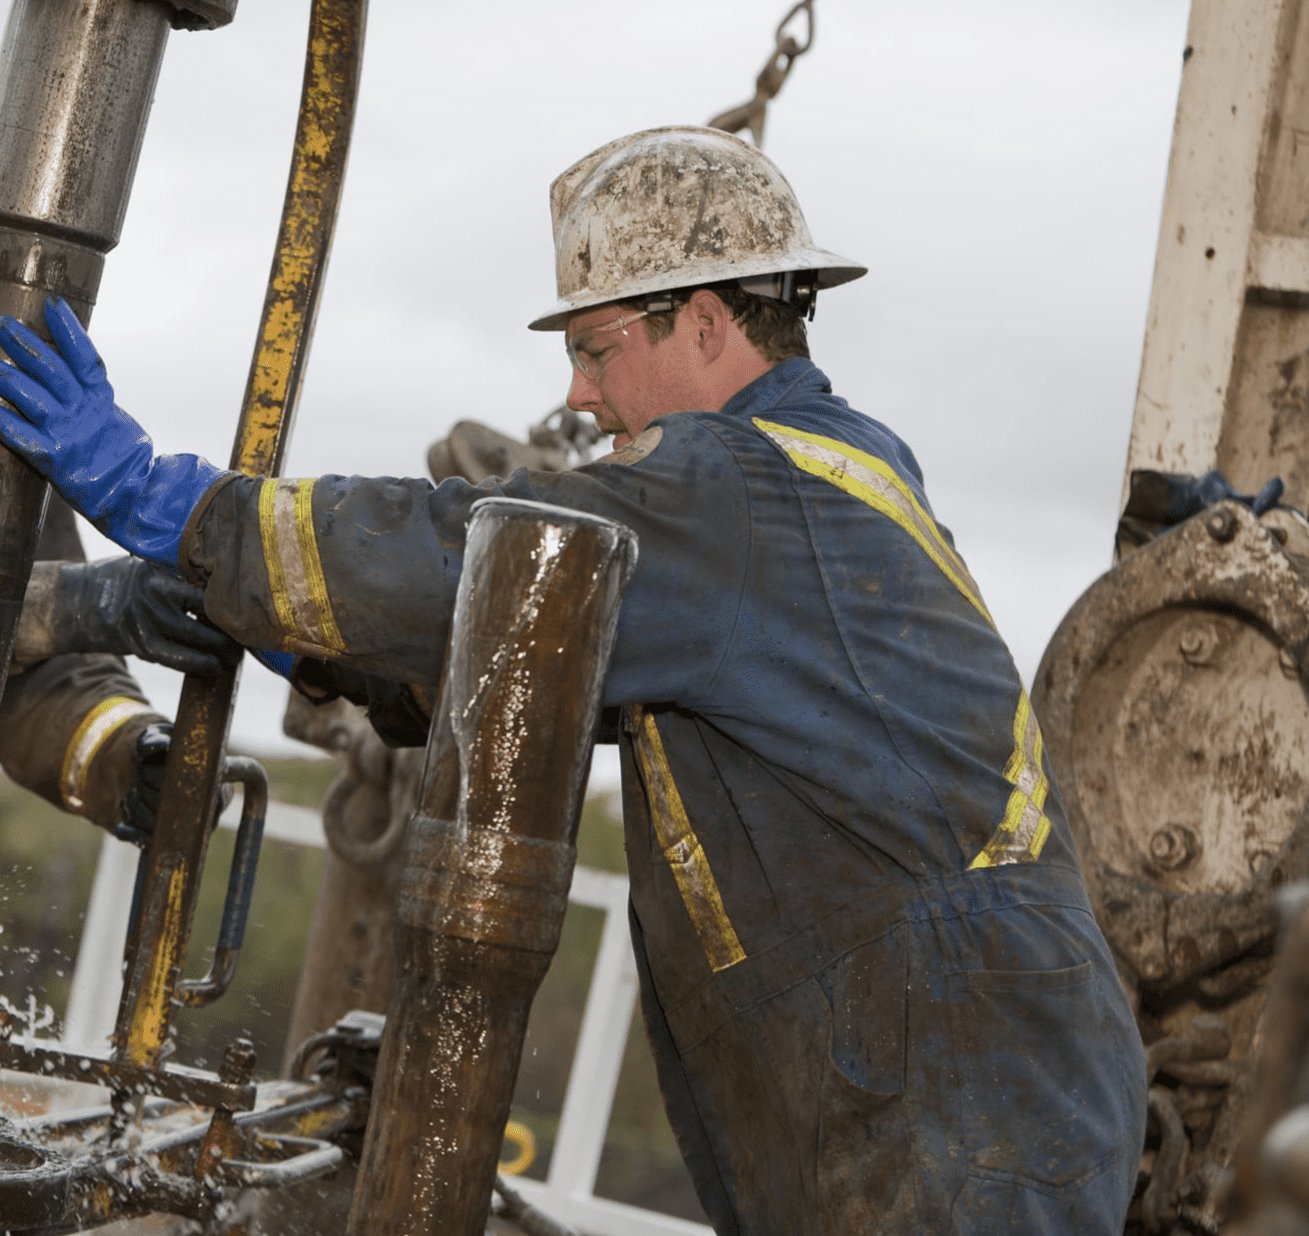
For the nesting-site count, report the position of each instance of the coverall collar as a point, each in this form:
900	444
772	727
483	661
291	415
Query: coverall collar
769	390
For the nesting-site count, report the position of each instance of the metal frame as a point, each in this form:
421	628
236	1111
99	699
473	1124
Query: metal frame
568	1192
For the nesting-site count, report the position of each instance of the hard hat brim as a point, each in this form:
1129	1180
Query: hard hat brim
831	269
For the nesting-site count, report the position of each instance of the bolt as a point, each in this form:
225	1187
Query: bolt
1154	970
239	1060
1221	525
1174	847
1261	861
1197	643
1289	663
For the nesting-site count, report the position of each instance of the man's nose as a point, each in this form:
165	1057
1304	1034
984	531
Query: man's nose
583	394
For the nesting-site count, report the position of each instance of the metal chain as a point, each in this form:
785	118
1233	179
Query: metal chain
772	76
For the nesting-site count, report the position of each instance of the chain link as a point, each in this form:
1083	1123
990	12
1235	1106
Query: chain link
751	114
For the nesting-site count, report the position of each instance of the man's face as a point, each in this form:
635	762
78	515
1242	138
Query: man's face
623	379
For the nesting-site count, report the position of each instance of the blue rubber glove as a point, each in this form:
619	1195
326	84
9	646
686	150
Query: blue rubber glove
281	663
93	453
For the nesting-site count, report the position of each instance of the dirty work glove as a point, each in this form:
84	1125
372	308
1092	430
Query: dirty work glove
101	461
141	802
1170	497
129	607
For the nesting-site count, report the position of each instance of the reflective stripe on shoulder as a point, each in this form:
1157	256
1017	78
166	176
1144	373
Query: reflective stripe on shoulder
92	733
874	482
1022	831
682	850
295	571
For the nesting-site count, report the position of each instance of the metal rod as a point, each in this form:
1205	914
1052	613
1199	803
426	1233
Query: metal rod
175	857
489	858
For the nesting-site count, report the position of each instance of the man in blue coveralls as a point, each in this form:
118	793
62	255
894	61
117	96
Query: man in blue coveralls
876	994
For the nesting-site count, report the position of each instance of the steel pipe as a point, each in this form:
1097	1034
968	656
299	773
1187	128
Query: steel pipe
489	858
76	81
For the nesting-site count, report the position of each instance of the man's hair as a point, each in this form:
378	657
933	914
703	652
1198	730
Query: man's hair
776	328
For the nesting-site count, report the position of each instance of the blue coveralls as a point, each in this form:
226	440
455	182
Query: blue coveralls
877	996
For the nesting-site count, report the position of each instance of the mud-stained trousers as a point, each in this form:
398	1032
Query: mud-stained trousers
932	1078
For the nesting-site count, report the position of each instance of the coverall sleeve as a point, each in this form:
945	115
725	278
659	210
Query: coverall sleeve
69	725
365	570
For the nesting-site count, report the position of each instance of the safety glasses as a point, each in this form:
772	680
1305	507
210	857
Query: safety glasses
589	355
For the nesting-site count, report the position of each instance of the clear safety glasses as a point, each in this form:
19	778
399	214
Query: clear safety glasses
589	355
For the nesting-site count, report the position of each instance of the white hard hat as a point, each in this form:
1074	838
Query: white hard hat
676	207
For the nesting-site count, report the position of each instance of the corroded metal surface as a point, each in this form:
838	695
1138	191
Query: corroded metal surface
322	141
1271	1186
1175	713
196	1156
489	858
175	858
1173	702
69	139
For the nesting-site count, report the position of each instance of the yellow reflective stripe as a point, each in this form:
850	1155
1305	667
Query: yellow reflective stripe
315	580
295	571
1022	832
683	852
874	482
92	732
273	559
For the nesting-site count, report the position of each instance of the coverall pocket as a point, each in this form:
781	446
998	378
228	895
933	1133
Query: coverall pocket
1027	1045
865	1169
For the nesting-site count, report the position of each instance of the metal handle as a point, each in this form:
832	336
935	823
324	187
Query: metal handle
195	993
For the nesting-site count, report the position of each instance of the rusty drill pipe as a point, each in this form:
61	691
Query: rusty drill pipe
175	858
489	858
70	134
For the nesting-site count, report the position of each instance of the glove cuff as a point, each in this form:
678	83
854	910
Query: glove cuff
151	522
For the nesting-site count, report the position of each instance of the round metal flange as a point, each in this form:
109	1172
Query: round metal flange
34	1183
1172	700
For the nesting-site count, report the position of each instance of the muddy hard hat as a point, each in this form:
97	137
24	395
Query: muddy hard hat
676	207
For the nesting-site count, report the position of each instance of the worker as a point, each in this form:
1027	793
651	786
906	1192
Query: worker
877	997
75	726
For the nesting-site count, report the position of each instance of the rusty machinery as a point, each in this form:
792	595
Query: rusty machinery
489	857
78	81
488	853
1173	695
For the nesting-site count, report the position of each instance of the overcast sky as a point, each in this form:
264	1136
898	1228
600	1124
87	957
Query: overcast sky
999	165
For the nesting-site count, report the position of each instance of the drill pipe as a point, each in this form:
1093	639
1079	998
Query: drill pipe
76	81
489	857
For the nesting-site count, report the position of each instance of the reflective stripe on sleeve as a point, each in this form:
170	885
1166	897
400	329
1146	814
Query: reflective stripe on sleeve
1022	831
682	850
295	570
1021	834
92	733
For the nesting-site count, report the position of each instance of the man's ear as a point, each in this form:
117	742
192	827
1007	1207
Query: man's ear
711	322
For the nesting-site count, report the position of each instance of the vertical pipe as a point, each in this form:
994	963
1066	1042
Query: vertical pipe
489	858
175	859
76	81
